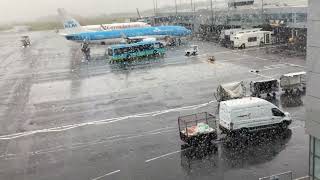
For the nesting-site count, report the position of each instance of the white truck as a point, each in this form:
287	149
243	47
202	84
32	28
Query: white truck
240	116
251	39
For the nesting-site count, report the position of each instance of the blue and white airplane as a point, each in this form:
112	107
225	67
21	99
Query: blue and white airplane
156	32
77	33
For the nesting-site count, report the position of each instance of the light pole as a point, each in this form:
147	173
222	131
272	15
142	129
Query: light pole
176	5
154	7
262	11
211	6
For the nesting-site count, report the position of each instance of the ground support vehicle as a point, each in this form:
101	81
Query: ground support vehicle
193	51
293	83
268	87
25	41
128	52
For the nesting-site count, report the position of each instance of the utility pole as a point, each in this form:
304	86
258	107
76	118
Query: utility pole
176	5
191	6
262	11
211	6
215	11
157	5
154	7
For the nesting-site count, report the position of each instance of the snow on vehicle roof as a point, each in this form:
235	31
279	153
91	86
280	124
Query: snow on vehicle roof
295	74
265	80
245	102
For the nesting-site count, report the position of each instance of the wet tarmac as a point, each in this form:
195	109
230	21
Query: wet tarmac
63	118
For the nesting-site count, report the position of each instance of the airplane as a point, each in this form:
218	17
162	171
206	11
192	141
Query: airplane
75	32
69	22
119	34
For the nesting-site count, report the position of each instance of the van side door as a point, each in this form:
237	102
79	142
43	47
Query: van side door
260	116
251	117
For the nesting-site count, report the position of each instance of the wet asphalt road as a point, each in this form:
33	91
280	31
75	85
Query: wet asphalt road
62	118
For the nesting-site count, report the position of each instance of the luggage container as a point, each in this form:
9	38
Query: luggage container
198	128
259	88
229	91
293	82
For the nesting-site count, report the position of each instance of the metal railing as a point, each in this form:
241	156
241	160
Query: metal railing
281	176
284	176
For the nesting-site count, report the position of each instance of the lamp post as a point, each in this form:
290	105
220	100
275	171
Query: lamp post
211	6
176	6
262	11
191	6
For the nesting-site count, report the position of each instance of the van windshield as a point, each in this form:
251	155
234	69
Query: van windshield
277	112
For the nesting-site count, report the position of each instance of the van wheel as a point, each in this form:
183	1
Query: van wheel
243	46
284	125
244	131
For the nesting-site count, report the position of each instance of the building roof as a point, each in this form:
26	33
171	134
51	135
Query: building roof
286	2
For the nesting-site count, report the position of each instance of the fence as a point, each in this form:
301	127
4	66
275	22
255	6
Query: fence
284	176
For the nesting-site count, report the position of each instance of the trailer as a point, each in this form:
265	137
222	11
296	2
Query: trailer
268	87
229	91
198	129
293	83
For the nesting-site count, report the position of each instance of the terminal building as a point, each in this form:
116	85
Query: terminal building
286	18
313	89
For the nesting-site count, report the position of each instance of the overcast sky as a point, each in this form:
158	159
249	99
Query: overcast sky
31	9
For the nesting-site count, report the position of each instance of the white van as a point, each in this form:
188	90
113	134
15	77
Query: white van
251	114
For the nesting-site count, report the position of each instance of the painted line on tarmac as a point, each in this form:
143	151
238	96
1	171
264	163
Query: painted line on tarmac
295	65
108	174
104	121
75	146
257	74
301	178
164	155
263	59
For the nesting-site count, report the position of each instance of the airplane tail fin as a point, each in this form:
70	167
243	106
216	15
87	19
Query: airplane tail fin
70	24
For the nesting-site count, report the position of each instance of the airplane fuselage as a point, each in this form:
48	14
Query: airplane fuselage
159	31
